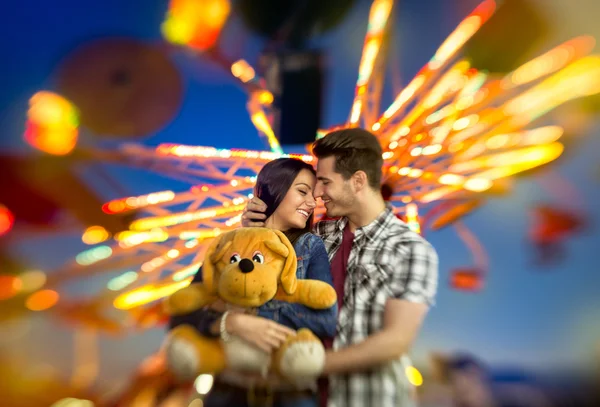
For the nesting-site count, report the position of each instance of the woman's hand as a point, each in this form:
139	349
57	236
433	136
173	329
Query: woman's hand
219	306
261	332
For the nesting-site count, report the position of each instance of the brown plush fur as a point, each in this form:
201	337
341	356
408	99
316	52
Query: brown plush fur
273	276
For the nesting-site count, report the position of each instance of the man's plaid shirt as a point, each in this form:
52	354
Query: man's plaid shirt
387	260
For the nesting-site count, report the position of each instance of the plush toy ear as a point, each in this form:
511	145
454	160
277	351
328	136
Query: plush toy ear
285	249
213	254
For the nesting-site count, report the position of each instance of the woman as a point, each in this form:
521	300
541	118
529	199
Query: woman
286	187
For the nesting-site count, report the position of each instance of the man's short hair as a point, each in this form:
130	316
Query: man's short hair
354	150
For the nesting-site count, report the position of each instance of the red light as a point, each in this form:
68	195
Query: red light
7	219
113	207
9	286
466	279
205	40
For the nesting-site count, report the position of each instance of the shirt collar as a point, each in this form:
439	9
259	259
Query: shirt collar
373	229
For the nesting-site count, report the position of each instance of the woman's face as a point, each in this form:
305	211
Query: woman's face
297	205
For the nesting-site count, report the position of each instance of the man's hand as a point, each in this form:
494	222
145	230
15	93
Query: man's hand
401	323
254	213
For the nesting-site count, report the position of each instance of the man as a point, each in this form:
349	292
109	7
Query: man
385	274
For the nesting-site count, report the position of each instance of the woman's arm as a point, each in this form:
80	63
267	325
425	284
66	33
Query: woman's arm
264	334
321	322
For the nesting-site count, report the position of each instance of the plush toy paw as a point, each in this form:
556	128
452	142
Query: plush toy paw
189	354
182	358
302	358
318	295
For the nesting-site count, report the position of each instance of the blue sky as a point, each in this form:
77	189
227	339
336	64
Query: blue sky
525	315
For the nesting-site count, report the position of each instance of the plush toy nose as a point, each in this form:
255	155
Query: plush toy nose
246	265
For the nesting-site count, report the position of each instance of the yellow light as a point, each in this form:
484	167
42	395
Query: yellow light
196	23
452	79
414	376
94	235
465	122
148	294
51	110
73	402
438	193
549	62
412	218
415	152
32	280
243	71
265	97
182	217
477	184
356	108
415	173
260	121
179	150
52	123
178	31
432	149
186	272
203	383
200	234
131	238
542	135
497	141
451	179
404	96
173	253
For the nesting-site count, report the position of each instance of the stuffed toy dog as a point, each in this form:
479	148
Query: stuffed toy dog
246	268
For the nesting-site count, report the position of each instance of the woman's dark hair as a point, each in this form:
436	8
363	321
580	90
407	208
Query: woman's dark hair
273	182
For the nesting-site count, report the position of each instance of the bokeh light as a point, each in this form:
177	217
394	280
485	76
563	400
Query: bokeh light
42	300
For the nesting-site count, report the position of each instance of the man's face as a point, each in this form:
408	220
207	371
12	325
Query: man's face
333	189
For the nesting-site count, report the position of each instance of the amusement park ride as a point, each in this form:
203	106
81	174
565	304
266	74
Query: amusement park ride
452	138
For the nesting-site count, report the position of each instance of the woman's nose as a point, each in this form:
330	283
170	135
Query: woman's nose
311	203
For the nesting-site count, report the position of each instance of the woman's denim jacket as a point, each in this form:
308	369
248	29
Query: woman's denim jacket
313	263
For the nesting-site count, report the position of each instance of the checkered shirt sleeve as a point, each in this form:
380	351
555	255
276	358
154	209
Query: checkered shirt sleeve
415	278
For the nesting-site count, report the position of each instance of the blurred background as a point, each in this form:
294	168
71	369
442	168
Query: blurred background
131	132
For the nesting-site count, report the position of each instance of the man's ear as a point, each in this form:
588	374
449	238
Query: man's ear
359	180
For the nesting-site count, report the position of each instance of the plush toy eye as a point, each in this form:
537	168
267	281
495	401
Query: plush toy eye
258	257
235	258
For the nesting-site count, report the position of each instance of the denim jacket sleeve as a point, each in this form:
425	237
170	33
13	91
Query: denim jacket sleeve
321	322
201	319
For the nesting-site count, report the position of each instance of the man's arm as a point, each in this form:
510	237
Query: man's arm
402	320
411	291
